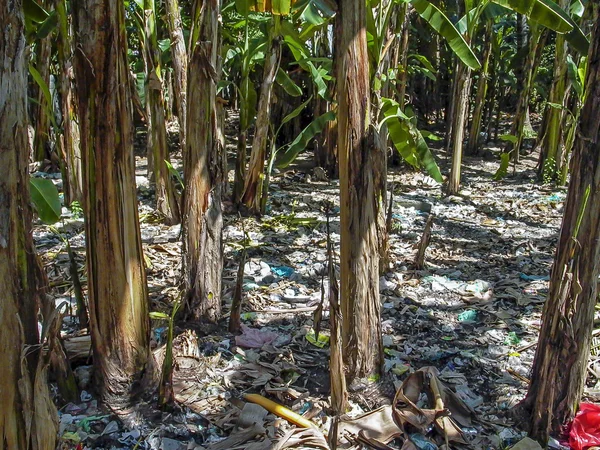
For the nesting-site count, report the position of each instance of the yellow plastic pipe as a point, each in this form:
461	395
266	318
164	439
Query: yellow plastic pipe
280	410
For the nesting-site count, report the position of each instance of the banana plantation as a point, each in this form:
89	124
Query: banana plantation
299	224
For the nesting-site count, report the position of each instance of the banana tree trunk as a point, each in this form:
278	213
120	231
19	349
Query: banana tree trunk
117	291
403	72
28	417
551	154
462	86
256	168
204	169
179	60
41	118
482	85
68	141
360	189
536	43
561	360
325	152
156	144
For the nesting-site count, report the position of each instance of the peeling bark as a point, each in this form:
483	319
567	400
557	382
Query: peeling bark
117	291
68	141
27	415
462	87
256	168
360	188
204	168
179	60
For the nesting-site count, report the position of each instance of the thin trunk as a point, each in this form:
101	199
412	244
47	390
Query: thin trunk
339	393
168	88
117	291
491	101
41	118
561	360
403	72
204	168
27	415
462	84
68	141
360	188
551	155
324	152
166	200
254	178
240	164
536	44
179	60
482	85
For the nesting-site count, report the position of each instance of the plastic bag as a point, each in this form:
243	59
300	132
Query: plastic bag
585	430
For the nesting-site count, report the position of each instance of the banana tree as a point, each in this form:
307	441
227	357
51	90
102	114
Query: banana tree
553	160
179	62
157	150
543	12
287	153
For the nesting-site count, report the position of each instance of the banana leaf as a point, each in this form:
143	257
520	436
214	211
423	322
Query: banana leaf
302	140
44	197
408	140
440	23
283	79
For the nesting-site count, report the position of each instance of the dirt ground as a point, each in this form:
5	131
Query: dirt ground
472	314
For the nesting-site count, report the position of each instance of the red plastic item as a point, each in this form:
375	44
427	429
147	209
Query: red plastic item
585	430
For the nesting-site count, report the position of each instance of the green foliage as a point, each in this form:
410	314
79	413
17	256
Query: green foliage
440	23
175	173
549	172
45	199
503	169
408	140
283	79
76	209
302	140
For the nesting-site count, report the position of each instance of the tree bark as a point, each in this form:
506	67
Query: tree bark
40	117
117	291
462	86
551	155
536	43
256	168
166	200
179	60
482	85
27	415
403	72
560	363
360	188
204	168
68	141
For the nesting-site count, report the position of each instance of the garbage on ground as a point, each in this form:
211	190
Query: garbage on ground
585	429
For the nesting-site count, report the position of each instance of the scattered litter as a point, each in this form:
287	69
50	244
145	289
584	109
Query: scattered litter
585	429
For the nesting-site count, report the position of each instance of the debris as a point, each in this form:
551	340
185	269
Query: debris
585	429
526	444
279	410
253	338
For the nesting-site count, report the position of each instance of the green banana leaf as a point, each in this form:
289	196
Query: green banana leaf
283	79
503	169
44	197
295	113
440	23
544	12
408	140
302	140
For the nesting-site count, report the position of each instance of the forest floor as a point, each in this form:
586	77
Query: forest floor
472	315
